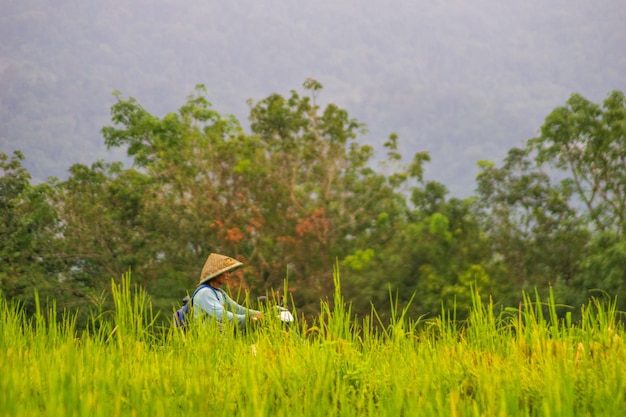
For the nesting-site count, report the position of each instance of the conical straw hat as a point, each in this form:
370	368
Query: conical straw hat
217	264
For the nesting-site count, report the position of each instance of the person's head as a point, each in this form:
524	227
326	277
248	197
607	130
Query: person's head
218	268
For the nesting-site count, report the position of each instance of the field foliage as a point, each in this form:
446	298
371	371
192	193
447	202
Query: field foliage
518	362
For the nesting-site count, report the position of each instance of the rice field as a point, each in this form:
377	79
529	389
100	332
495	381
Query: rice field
523	362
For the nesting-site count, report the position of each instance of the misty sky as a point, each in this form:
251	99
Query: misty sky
464	80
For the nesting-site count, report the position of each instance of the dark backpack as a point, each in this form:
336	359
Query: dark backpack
181	316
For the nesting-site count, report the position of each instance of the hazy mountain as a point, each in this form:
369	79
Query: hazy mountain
462	79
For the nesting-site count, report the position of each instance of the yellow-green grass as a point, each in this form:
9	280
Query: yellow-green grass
520	363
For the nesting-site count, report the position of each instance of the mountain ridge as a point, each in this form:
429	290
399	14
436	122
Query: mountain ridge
462	80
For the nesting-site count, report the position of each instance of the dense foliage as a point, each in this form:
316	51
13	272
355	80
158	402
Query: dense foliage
298	194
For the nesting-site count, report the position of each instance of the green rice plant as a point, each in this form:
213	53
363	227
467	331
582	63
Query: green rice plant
521	362
134	317
335	323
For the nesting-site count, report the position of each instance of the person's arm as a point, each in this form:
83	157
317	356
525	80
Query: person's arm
237	308
206	300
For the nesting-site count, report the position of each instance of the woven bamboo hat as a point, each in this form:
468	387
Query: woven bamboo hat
217	264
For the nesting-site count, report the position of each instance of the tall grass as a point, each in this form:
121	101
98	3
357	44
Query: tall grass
519	362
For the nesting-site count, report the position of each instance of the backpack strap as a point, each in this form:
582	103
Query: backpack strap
201	287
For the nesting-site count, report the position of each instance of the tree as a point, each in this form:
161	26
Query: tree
435	251
566	232
535	232
28	228
199	165
333	205
102	211
290	198
589	142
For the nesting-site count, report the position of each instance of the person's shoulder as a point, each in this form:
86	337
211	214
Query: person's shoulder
202	290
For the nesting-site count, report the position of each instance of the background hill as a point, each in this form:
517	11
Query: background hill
464	80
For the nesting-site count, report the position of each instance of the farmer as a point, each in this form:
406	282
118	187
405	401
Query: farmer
210	299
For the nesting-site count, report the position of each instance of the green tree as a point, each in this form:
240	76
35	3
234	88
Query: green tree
588	141
436	252
290	198
333	205
451	255
200	165
536	234
28	228
102	211
566	233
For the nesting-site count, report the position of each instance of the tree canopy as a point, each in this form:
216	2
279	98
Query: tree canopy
298	195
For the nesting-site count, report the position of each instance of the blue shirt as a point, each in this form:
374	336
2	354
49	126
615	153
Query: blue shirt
216	303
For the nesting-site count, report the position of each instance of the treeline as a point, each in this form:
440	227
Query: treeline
298	196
